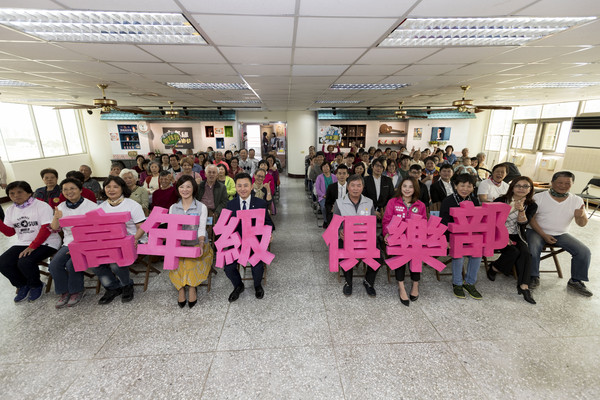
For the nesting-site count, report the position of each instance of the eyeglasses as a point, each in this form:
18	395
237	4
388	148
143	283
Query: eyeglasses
522	186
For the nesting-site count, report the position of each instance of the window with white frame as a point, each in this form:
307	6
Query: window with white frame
499	130
33	132
524	135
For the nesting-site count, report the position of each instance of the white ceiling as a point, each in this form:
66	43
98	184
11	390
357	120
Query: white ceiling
291	51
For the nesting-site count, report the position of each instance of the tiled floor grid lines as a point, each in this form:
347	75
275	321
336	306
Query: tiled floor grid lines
305	339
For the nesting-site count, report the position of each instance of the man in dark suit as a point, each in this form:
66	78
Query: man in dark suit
441	188
245	201
336	190
378	187
415	172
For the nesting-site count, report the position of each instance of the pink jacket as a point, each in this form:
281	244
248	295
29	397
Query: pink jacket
397	207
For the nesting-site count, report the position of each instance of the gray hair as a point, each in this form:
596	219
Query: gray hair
126	171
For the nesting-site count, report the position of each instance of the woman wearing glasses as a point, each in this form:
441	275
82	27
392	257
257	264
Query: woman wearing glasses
523	208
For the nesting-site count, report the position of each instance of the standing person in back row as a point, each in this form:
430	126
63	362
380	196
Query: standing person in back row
556	209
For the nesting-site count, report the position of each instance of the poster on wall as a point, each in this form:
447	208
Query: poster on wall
219	132
229	131
418	134
280	135
179	138
440	133
220	143
210	132
329	135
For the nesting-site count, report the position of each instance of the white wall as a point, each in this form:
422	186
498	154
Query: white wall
30	170
98	142
302	132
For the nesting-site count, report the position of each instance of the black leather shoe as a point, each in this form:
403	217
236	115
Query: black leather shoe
370	289
490	273
260	292
192	303
405	302
347	289
526	295
413	298
181	303
236	293
127	293
110	295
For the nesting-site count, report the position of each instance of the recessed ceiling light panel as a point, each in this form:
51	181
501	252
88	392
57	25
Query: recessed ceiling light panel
236	101
557	85
208	86
511	31
367	86
10	82
103	27
338	101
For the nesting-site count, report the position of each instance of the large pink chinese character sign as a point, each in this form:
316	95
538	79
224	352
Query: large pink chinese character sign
245	249
416	240
478	231
100	238
360	242
167	242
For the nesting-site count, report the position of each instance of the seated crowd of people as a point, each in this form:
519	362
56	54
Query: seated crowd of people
403	183
201	184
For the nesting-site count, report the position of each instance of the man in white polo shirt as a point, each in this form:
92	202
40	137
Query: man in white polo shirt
556	209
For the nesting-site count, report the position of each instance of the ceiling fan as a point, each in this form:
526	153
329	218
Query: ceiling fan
401	113
466	106
105	105
172	113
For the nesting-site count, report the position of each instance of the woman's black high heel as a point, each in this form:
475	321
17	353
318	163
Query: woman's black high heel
182	303
192	303
405	302
526	295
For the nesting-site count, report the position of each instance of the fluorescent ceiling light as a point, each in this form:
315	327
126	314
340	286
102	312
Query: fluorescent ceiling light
556	85
367	86
101	26
511	31
208	86
10	82
338	101
236	101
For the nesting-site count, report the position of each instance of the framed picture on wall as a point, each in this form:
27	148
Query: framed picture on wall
179	138
418	134
218	131
229	131
220	143
440	133
210	131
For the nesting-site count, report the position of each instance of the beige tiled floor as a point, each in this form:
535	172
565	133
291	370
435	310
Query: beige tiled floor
305	340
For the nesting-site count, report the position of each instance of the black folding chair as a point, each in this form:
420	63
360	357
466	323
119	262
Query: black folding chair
586	196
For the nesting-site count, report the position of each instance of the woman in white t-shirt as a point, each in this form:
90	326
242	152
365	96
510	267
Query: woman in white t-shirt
493	187
68	283
29	218
114	278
